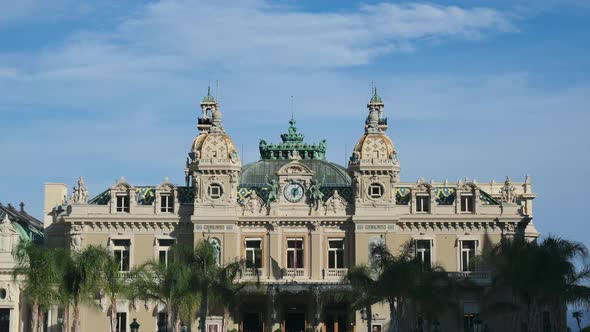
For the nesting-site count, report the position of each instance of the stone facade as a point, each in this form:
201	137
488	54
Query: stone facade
297	218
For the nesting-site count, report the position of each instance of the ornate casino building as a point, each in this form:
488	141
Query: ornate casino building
299	220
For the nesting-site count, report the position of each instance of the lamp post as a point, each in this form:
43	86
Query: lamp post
134	325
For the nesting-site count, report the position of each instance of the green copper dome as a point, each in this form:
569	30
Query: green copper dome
257	173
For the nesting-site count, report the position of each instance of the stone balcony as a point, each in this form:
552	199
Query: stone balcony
294	273
477	277
335	273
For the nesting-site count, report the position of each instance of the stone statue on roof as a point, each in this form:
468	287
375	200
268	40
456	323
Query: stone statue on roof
508	192
80	193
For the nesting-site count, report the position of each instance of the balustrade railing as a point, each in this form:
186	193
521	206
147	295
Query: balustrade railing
294	273
336	273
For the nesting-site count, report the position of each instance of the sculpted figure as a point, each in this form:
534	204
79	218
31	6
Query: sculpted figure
315	194
80	192
273	192
508	192
253	204
334	203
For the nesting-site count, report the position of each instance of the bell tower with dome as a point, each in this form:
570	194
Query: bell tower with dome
213	167
374	166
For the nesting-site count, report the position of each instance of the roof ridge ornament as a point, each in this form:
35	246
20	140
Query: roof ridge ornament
292	141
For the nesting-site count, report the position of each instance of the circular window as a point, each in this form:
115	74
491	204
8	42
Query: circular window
2	293
215	191
376	190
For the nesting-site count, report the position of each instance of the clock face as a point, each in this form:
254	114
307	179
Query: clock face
293	192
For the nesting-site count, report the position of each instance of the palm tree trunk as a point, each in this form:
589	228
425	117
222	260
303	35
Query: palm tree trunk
41	327
203	311
113	312
35	316
177	325
76	318
169	316
392	316
369	311
66	321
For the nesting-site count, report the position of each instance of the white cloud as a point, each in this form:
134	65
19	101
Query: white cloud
184	35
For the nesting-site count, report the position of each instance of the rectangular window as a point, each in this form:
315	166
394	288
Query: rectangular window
164	246
122	203
295	254
121	253
423	252
467	203
422	203
162	321
336	254
166	203
468	248
121	322
254	253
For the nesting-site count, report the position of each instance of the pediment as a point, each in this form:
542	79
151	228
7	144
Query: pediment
295	168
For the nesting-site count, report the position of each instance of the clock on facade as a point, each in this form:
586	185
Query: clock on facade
293	192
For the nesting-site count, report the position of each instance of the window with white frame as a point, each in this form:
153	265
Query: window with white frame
122	203
254	253
422	203
336	253
467	203
121	251
121	322
468	252
164	246
295	253
424	252
167	203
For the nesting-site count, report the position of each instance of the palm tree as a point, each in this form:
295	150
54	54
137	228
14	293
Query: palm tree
389	278
169	284
113	282
82	278
364	290
36	266
540	275
435	292
215	284
577	315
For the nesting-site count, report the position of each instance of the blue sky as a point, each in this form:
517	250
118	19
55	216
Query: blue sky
474	88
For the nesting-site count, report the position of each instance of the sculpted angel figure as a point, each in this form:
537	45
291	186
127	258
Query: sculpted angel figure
315	194
273	191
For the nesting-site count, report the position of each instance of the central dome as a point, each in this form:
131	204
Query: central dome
257	173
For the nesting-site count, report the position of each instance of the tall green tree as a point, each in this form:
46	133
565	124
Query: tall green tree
37	270
82	279
541	277
215	283
112	281
168	283
394	279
